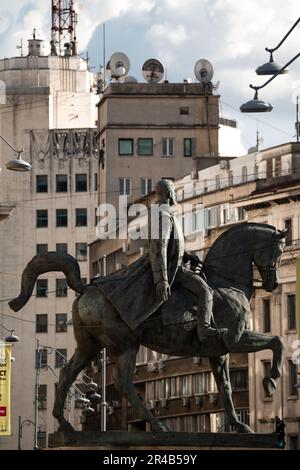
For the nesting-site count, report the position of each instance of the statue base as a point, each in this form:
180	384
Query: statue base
120	440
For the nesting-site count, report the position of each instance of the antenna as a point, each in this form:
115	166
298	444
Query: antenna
204	71
63	31
118	65
153	71
20	47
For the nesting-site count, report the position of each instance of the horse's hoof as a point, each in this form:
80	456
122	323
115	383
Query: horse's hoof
66	428
269	386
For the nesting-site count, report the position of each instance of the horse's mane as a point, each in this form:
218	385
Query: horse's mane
236	228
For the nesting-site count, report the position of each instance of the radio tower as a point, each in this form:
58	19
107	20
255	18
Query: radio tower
63	31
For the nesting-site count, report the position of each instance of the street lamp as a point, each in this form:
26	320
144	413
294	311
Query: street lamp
11	338
17	164
259	106
272	67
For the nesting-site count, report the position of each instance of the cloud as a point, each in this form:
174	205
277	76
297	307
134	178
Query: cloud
230	33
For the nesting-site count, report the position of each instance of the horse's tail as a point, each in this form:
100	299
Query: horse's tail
45	263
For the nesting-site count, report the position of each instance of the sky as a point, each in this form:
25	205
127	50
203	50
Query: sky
232	34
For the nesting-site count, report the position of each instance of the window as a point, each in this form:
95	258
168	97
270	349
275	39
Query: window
42	400
81	217
62	247
43	358
146	186
41	323
291	311
61	183
145	147
61	323
266	373
81	183
42	439
244	174
61	217
293	442
60	358
96	182
230	178
42	184
41	249
239	379
42	218
81	251
266	316
184	111
292	368
42	288
288	225
188	147
61	288
125	186
125	147
168	147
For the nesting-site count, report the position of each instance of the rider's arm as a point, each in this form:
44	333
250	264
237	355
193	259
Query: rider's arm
158	250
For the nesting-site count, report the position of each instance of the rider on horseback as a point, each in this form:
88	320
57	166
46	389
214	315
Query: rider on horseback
161	255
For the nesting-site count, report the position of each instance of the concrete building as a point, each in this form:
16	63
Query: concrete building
148	131
50	110
259	187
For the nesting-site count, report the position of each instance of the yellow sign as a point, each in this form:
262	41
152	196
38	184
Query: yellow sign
5	376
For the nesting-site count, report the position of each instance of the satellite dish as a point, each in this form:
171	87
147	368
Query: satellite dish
130	79
119	65
153	71
204	71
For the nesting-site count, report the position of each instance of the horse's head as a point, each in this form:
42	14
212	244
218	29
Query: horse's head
267	256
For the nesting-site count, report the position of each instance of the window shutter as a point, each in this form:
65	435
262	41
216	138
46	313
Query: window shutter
171	147
121	186
149	186
194	147
128	187
165	147
143	186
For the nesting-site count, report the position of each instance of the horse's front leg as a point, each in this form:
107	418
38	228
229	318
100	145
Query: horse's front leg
250	341
220	370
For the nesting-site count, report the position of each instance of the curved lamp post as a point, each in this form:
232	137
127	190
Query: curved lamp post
272	67
17	164
11	338
259	106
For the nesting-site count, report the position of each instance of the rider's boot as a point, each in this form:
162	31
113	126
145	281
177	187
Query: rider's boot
204	328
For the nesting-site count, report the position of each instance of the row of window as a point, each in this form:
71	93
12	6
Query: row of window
61	289
145	147
125	186
62	183
41	323
192	384
291	313
80	250
60	358
81	218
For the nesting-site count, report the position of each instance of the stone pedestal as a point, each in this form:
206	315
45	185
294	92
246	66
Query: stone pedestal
117	440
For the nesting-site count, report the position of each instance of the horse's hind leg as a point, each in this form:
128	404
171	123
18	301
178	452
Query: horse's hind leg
220	370
80	359
124	384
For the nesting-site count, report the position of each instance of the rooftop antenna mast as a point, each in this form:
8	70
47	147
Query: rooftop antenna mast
63	31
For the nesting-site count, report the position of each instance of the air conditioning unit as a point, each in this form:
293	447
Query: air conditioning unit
152	366
213	398
186	402
151	405
199	401
224	164
164	403
197	360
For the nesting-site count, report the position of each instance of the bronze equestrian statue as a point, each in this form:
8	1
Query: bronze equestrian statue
147	304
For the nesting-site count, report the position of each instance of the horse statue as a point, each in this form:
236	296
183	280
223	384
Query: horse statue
228	268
